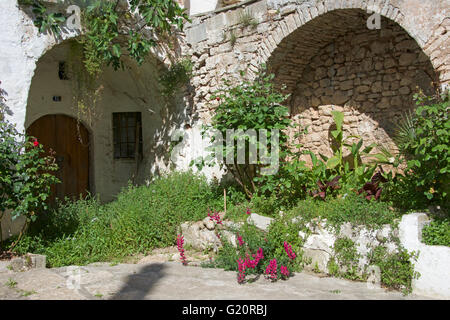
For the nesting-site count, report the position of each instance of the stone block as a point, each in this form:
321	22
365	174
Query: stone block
196	34
261	222
18	264
318	258
37	261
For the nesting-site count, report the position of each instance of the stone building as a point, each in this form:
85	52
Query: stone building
330	54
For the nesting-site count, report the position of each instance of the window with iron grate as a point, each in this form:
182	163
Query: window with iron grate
127	130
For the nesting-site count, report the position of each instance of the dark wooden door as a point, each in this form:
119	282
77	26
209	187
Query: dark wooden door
70	141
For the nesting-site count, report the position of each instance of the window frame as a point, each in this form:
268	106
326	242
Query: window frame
118	128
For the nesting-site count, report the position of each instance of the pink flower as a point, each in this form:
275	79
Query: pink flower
215	217
180	242
284	271
252	263
288	249
271	270
241	267
241	242
259	255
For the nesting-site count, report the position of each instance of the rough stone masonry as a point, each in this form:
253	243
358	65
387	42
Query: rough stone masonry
321	50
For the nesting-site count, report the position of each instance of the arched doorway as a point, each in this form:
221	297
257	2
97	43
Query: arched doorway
70	140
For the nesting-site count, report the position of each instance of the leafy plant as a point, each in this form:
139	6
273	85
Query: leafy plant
437	233
427	147
246	19
11	283
345	208
177	75
139	220
25	174
397	269
44	20
109	31
248	105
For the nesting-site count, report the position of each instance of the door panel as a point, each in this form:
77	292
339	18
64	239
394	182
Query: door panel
60	133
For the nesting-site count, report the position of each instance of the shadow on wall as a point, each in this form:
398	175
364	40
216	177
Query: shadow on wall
139	285
133	89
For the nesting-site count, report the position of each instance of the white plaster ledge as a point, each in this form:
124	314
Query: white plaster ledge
433	262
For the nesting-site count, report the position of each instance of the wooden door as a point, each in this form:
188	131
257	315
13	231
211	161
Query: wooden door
62	134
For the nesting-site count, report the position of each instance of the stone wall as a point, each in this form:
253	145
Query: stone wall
319	247
291	37
369	75
328	59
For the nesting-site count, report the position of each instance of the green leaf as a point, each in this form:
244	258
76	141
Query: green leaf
333	162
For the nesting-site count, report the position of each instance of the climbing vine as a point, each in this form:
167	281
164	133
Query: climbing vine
112	29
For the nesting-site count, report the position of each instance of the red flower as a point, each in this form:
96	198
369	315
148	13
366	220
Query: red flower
218	99
35	143
288	249
180	242
284	271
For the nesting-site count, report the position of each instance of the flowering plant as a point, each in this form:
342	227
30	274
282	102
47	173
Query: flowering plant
25	174
180	243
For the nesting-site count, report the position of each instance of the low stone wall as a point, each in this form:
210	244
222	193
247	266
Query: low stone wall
319	246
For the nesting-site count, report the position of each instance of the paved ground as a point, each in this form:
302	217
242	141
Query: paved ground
173	281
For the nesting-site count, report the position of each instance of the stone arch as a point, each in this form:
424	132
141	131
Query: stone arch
135	89
332	61
429	38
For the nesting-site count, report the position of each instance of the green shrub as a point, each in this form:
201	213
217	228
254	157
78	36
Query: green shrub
271	243
437	233
142	218
350	208
248	105
397	269
424	141
26	173
346	257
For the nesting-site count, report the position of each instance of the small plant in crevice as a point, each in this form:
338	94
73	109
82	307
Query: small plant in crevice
345	261
437	233
246	19
397	269
178	74
215	216
233	38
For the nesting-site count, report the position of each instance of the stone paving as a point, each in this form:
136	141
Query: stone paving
171	280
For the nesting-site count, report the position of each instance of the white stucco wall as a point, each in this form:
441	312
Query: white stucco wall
202	6
134	89
21	46
433	262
